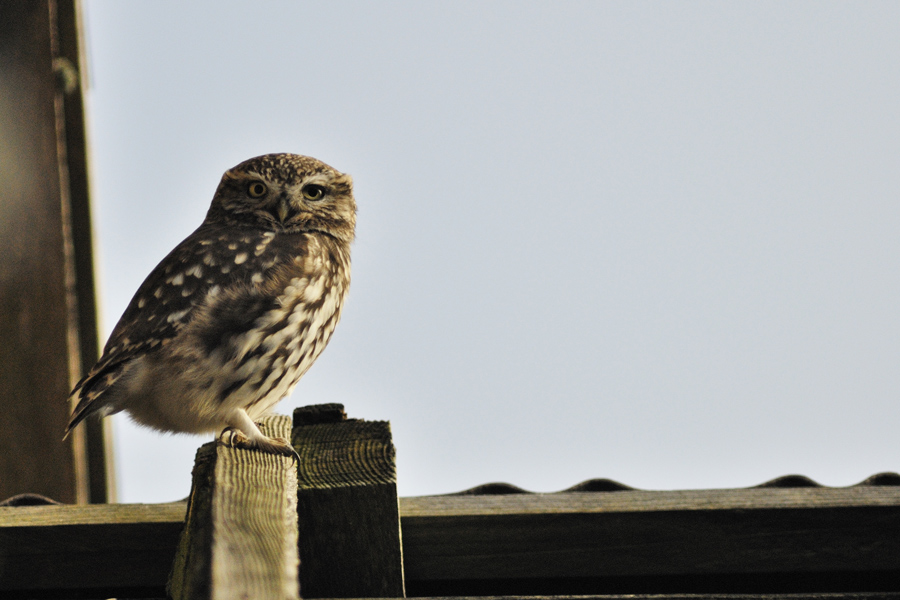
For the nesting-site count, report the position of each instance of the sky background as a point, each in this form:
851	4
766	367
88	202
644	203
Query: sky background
652	241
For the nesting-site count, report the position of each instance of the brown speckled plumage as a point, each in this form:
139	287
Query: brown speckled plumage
224	327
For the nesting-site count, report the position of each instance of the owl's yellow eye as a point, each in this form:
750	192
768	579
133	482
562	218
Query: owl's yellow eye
313	192
257	189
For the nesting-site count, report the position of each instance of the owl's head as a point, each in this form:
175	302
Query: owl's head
286	192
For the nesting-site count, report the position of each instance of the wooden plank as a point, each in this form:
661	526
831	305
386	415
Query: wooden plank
240	539
34	360
69	67
88	551
703	541
46	286
825	596
648	541
347	506
637	501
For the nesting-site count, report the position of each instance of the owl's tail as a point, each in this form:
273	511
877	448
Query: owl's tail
90	393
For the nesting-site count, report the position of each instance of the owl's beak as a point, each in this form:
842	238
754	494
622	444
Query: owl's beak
284	209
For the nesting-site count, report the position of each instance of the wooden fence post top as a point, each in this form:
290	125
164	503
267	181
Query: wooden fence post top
347	505
240	539
319	413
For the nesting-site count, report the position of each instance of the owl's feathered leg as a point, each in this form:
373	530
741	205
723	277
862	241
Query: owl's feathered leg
242	432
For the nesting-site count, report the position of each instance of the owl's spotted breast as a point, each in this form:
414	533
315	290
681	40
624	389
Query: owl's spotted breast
261	333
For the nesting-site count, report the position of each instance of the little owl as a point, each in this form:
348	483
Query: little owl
225	326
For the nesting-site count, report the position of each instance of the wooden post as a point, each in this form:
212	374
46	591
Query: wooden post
240	538
47	317
349	519
70	68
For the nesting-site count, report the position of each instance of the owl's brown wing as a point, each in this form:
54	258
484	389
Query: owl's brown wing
164	303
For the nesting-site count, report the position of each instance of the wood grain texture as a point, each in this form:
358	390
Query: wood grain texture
34	318
826	596
347	506
47	308
82	294
582	541
104	549
650	501
240	539
761	540
191	575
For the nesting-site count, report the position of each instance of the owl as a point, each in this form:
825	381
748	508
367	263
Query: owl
224	327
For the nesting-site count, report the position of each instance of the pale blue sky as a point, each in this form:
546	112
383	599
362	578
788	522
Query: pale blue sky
656	242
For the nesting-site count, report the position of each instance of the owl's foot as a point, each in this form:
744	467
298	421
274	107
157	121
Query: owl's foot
275	445
235	438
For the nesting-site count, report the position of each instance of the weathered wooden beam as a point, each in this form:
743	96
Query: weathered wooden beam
811	539
240	538
347	506
88	551
70	69
787	596
47	315
744	540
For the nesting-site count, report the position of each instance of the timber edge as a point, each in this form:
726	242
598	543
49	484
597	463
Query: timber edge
789	537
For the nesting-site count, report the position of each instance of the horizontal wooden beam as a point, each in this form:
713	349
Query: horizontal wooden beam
108	548
836	596
789	539
639	501
653	541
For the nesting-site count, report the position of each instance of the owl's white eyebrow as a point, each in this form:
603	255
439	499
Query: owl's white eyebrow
318	179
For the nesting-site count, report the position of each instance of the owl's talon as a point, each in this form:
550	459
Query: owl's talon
278	445
235	438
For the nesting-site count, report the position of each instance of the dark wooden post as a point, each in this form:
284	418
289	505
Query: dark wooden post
47	315
349	520
240	537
